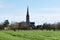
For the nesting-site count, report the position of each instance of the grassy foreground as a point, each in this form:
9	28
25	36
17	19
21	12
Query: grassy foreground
30	35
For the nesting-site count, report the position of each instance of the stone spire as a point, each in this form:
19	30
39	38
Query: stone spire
27	16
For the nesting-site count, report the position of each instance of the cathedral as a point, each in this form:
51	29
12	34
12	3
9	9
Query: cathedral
31	24
27	24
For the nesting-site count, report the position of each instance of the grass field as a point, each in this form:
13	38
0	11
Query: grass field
30	35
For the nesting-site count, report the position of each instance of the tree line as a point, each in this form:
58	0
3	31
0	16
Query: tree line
47	26
22	25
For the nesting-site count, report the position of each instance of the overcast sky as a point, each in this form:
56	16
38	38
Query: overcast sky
41	11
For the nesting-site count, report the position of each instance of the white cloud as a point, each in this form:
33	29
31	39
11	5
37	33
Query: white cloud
42	18
18	16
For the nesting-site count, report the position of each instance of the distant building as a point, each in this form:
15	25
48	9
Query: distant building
27	24
31	24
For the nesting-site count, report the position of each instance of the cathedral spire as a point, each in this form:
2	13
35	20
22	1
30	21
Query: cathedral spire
27	10
27	15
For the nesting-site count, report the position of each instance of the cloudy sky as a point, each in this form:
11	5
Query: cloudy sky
41	11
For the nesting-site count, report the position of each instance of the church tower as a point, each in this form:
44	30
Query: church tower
27	16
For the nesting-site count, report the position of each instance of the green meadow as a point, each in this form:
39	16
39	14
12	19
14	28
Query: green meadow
29	35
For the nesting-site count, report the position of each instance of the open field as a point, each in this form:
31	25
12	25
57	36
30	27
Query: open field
30	35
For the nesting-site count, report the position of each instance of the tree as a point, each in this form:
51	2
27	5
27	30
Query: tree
6	23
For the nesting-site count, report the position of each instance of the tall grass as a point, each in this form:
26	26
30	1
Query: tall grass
29	35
